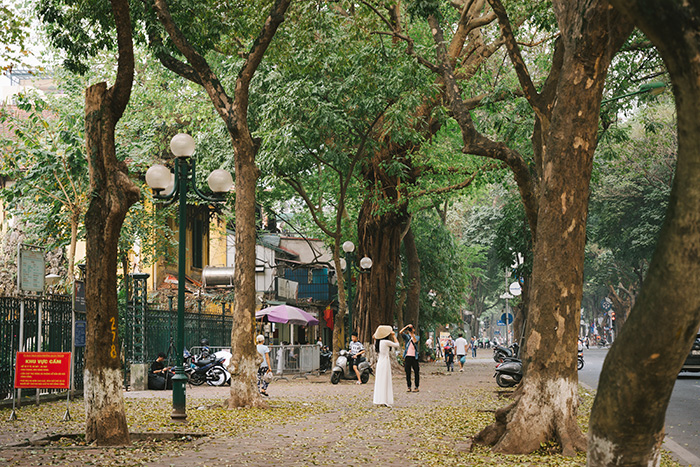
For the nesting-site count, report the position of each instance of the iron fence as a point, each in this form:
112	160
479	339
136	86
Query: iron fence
160	331
29	331
157	335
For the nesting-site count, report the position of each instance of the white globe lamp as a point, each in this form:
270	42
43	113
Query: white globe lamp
220	181
182	145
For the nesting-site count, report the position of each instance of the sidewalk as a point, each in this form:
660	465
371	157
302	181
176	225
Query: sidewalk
310	422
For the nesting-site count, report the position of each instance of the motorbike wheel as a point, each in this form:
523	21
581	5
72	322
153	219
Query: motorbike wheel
364	377
335	377
216	377
502	382
197	379
580	363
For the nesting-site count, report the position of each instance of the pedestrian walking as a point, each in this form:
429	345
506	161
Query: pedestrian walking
473	344
438	350
264	369
461	351
410	356
385	340
449	356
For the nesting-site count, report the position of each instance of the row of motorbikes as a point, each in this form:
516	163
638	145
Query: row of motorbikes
211	368
509	371
207	368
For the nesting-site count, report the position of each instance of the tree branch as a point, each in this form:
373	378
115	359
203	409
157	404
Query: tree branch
475	142
516	57
299	188
121	91
198	64
257	51
458	186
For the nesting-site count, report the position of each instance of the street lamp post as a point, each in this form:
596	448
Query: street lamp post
654	88
175	186
364	266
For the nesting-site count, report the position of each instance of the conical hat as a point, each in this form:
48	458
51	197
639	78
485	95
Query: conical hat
382	331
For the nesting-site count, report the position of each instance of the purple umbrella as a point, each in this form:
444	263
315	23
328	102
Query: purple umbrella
286	314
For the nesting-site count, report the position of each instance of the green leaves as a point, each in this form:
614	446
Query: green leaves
14	33
631	188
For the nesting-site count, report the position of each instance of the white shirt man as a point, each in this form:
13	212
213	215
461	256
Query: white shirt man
461	350
356	351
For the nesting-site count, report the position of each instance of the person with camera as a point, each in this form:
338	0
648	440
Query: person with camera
410	356
159	376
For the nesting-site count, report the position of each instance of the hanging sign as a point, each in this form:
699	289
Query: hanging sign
30	268
79	297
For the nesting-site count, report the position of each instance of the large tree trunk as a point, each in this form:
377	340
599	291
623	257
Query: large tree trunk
339	319
380	239
412	281
244	361
547	402
627	421
112	193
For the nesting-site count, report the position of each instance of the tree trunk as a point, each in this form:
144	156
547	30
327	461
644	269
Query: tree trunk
380	239
547	403
622	306
411	314
627	420
112	193
245	360
339	319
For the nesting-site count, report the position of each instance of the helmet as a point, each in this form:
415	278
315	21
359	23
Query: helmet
204	342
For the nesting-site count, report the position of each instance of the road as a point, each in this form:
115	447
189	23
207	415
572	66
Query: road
682	415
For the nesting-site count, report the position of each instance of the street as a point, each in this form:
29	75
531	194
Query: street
683	414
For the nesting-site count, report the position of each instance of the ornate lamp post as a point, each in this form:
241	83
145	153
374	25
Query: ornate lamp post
167	186
653	88
364	266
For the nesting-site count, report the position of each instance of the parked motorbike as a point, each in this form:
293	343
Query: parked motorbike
501	353
226	355
580	359
206	369
344	371
325	363
509	372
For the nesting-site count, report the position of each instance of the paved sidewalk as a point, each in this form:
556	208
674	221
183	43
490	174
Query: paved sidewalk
309	422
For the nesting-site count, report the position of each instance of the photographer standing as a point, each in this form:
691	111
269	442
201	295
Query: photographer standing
410	356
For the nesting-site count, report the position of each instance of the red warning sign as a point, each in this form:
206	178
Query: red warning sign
42	370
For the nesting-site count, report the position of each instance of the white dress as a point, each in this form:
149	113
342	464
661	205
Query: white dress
383	392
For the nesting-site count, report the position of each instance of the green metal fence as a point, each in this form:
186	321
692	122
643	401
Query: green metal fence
55	335
158	331
160	327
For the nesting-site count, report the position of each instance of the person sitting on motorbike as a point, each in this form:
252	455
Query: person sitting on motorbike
356	352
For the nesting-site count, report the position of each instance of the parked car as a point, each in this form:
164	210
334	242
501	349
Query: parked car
692	363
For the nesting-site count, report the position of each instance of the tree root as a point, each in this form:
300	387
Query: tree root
524	425
490	435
